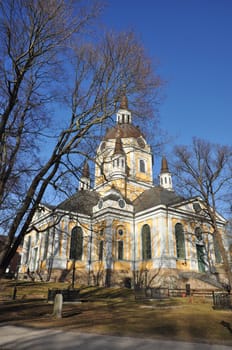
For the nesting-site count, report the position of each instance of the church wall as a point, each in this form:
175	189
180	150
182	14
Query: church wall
162	226
120	255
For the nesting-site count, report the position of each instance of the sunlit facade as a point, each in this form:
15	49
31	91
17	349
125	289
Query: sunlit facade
124	230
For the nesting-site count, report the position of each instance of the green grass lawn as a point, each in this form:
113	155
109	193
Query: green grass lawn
116	312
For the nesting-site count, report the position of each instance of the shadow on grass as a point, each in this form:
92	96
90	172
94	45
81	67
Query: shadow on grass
23	310
125	318
227	326
105	293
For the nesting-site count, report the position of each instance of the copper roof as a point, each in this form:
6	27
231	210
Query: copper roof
126	130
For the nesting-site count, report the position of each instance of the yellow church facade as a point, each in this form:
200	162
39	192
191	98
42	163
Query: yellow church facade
124	230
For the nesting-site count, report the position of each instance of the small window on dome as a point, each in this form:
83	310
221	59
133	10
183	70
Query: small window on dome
121	203
120	232
141	142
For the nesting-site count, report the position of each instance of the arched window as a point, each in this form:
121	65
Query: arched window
120	250
34	261
218	258
28	249
201	257
37	237
146	242
100	250
142	166
46	242
76	245
57	244
180	241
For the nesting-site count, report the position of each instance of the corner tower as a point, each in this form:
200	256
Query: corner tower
84	183
124	159
165	175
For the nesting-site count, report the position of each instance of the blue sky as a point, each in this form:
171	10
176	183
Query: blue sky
192	41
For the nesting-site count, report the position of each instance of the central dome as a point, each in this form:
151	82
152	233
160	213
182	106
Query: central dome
124	130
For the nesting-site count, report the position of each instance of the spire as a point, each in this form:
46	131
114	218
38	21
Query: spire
118	158
165	175
124	102
85	171
124	115
164	165
118	149
84	183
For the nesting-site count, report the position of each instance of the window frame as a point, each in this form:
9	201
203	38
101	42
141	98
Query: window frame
217	253
120	249
142	166
146	242
101	250
76	243
180	242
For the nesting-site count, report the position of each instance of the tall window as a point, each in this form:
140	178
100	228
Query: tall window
201	257
100	250
218	258
146	242
37	237
28	249
35	257
57	243
76	245
142	166
120	250
180	242
46	241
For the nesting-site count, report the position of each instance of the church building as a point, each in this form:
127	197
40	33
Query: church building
125	230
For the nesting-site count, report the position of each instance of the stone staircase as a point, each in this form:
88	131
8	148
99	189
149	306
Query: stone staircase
207	278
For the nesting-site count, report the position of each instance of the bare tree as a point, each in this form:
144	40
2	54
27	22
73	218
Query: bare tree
41	40
205	170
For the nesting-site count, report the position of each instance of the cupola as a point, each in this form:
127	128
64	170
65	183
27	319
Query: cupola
118	158
84	183
124	115
165	175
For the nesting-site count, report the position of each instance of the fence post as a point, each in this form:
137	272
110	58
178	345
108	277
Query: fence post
57	308
188	289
